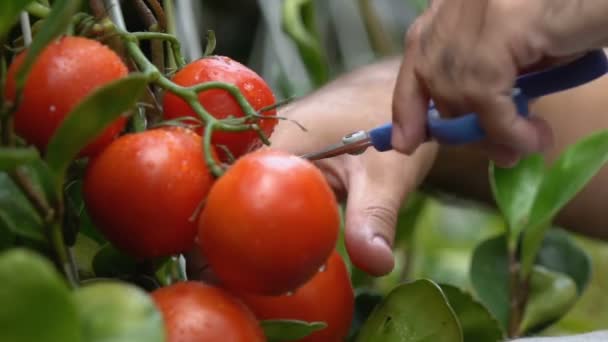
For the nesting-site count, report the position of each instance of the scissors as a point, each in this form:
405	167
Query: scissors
466	129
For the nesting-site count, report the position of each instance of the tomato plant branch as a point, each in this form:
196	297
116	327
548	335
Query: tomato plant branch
38	10
213	166
173	42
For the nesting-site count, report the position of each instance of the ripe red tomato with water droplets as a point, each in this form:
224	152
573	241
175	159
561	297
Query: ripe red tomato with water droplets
64	73
220	103
269	223
328	297
194	311
143	189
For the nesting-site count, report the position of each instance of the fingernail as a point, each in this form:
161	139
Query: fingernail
379	240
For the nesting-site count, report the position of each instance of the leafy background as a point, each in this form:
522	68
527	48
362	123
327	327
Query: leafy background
437	233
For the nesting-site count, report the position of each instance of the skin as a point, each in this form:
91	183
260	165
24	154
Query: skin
375	184
465	55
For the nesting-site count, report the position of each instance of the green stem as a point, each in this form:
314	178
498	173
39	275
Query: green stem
308	45
215	168
379	38
63	256
232	89
170	27
38	10
173	43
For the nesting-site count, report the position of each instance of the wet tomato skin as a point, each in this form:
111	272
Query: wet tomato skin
142	190
328	297
220	103
194	311
269	223
64	73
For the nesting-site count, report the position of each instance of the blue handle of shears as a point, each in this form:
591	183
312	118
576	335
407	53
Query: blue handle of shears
467	129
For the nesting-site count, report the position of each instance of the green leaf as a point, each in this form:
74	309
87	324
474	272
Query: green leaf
9	14
17	213
289	330
365	302
560	253
90	117
476	321
413	312
7	237
117	312
514	191
11	157
489	274
566	177
84	251
110	262
36	303
74	194
54	25
551	296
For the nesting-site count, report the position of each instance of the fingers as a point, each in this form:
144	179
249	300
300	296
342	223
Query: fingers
371	216
377	186
465	56
410	103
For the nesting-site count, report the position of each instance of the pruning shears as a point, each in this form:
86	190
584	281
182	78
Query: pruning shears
467	129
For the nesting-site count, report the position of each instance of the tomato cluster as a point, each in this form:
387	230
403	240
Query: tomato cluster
267	227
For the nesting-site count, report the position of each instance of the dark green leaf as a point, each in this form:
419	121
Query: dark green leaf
476	321
490	277
118	312
9	14
566	177
515	189
365	302
90	117
54	25
11	157
36	303
551	296
42	179
110	262
17	213
84	251
74	194
7	237
413	312
289	330
560	253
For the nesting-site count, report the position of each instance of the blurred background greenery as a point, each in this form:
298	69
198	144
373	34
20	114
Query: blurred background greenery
325	38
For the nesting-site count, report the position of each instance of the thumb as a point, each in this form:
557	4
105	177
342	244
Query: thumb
371	215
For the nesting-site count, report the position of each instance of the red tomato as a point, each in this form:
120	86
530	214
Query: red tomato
220	103
328	297
193	311
269	223
64	73
142	190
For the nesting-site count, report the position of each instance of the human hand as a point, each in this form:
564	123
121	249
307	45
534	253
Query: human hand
375	184
466	55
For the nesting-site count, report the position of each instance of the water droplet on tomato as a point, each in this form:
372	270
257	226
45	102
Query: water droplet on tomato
248	86
52	108
323	268
289	293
